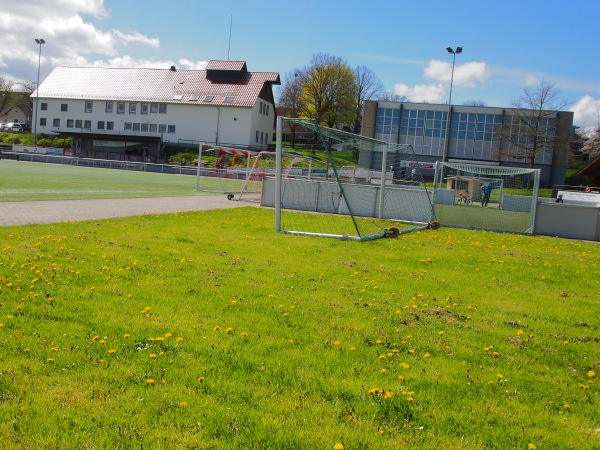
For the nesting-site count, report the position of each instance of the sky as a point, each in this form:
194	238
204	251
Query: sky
508	46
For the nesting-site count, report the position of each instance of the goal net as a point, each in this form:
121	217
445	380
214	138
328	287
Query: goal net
486	197
222	170
359	188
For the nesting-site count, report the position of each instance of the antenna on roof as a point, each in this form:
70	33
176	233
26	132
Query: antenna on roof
230	26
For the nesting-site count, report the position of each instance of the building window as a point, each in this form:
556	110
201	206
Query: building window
127	126
120	108
109	107
162	128
87	124
144	108
89	106
262	136
44	106
153	128
261	107
69	123
162	108
56	122
267	138
145	127
171	129
153	108
267	113
101	124
257	136
228	99
79	124
64	107
42	121
136	127
132	108
110	125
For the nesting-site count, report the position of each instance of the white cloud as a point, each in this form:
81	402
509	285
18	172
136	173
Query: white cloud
587	112
70	38
469	74
422	93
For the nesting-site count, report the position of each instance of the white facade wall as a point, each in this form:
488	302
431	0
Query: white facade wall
226	125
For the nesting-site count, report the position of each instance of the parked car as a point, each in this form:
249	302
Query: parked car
3	126
16	127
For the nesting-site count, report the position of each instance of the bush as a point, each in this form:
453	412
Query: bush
189	157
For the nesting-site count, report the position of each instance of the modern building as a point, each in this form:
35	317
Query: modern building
474	135
135	114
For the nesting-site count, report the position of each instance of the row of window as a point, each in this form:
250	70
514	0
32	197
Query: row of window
264	137
102	125
264	108
144	108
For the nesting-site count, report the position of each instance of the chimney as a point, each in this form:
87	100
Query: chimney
173	69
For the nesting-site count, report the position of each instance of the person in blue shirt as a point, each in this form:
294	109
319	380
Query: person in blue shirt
487	191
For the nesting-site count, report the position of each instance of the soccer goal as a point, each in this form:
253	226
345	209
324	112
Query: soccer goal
359	188
222	170
493	198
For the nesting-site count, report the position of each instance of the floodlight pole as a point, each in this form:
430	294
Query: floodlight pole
447	143
37	91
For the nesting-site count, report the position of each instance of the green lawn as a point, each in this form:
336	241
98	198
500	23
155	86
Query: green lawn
20	181
208	330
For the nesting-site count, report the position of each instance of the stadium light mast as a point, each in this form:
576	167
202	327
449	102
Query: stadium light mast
37	91
447	143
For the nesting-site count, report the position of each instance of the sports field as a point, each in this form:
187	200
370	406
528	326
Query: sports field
209	330
21	181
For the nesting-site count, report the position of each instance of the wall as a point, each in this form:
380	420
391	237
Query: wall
568	221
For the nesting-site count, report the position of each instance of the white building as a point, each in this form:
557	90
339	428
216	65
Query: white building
135	114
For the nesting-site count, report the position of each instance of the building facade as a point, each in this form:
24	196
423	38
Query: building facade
146	114
474	135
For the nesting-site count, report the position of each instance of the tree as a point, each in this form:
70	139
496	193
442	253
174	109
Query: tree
475	103
368	86
290	100
390	96
328	90
28	88
529	130
6	93
592	145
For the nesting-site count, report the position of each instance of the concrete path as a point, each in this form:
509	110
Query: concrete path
39	212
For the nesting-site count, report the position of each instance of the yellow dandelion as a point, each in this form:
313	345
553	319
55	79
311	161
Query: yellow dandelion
400	377
383	371
244	334
388	394
216	328
379	342
591	374
404	365
531	447
520	332
567	407
163	382
337	343
150	381
410	399
50	360
182	404
352	349
411	351
427	355
100	361
440	332
496	354
201	379
500	375
112	351
179	339
168	335
152	356
338	446
126	335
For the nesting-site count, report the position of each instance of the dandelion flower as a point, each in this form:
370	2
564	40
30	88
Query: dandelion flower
427	355
520	332
383	370
50	360
531	447
152	356
440	332
591	374
179	339
244	334
201	379
150	381
126	335
567	407
112	351
182	404
216	328
338	446
168	335
337	343
352	349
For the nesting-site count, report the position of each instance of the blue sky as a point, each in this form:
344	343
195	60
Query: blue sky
508	45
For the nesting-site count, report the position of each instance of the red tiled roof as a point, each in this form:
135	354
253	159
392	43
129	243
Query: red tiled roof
155	85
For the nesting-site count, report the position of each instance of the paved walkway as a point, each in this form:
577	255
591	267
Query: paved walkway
39	212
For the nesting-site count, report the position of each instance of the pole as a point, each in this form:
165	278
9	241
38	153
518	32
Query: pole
447	143
37	91
278	159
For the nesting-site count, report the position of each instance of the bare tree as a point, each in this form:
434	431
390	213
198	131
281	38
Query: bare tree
529	129
329	90
390	96
475	103
6	93
368	86
28	88
290	100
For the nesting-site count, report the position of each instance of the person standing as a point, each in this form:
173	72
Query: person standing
487	191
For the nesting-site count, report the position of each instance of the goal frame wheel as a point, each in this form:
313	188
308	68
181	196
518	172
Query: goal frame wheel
434	225
392	232
230	196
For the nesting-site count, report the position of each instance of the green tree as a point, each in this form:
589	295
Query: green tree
328	90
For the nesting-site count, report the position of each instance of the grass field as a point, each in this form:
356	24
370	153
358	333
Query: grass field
21	181
208	330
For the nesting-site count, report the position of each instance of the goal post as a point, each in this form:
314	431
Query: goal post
495	198
365	200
